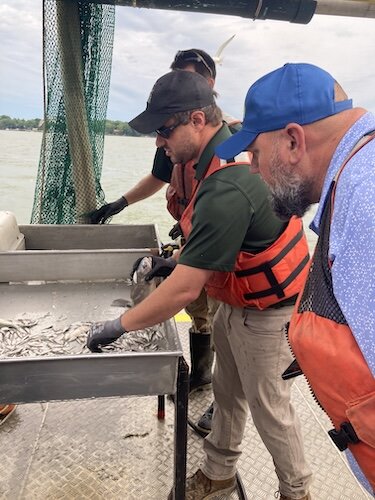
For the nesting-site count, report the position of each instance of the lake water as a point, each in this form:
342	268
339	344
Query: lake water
126	161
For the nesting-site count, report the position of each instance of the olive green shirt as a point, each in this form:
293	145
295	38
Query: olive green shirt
231	213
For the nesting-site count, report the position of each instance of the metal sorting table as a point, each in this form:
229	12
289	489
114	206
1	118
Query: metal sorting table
70	274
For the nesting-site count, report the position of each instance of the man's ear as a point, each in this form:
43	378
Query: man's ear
198	119
294	136
211	82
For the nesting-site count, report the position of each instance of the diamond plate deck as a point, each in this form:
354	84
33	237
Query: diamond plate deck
116	449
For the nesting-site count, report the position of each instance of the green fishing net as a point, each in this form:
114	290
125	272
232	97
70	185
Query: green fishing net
77	59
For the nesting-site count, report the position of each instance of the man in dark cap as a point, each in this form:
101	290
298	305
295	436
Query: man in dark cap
251	262
180	178
310	145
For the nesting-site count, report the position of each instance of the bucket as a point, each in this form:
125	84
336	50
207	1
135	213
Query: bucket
10	236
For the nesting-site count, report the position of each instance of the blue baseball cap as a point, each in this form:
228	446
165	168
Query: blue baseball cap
299	93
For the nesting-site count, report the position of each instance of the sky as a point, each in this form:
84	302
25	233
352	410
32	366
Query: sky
146	41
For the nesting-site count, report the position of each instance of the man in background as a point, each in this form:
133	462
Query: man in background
310	145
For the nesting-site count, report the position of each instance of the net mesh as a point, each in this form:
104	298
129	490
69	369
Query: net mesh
77	60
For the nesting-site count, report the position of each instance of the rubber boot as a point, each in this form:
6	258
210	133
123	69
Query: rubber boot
202	358
205	422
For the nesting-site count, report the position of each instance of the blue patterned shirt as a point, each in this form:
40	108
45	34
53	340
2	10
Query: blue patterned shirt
352	241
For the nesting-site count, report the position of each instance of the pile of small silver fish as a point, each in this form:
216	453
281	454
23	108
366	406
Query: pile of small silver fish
41	336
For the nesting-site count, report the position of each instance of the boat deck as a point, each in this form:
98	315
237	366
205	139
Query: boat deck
117	449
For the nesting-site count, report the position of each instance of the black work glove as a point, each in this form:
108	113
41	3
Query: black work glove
160	267
101	334
175	232
106	211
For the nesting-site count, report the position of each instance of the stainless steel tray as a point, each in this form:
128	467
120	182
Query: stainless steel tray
75	252
81	292
24	380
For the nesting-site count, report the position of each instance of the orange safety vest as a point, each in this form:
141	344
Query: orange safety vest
180	189
263	279
330	358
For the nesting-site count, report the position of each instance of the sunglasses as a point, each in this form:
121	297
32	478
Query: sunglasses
166	132
192	56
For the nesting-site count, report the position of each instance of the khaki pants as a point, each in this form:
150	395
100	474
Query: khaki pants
251	354
202	312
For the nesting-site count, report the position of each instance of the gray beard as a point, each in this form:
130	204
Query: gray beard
290	195
290	200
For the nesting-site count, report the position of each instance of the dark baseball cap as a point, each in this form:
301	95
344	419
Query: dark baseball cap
202	61
172	93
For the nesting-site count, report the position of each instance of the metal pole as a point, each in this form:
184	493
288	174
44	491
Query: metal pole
295	11
180	440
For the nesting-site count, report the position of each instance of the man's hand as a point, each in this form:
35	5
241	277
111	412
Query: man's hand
106	211
175	232
161	267
101	334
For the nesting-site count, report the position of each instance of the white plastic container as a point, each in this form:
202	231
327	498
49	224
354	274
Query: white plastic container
10	237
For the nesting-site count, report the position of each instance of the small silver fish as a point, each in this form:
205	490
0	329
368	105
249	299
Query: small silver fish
29	338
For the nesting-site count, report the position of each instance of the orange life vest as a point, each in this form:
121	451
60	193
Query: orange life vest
330	358
263	279
180	189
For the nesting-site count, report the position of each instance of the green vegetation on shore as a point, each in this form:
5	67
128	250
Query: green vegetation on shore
112	127
8	123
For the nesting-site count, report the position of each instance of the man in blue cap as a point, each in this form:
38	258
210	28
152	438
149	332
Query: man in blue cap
310	145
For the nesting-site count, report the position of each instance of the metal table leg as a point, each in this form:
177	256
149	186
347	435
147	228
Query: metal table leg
180	437
161	407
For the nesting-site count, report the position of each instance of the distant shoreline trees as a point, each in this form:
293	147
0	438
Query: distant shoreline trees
112	127
8	123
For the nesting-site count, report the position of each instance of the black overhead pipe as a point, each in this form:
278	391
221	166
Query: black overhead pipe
294	11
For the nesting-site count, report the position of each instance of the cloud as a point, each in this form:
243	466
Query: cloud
259	47
20	58
146	41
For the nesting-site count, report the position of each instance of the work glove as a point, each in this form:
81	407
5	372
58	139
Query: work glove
101	215
101	334
161	267
175	232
